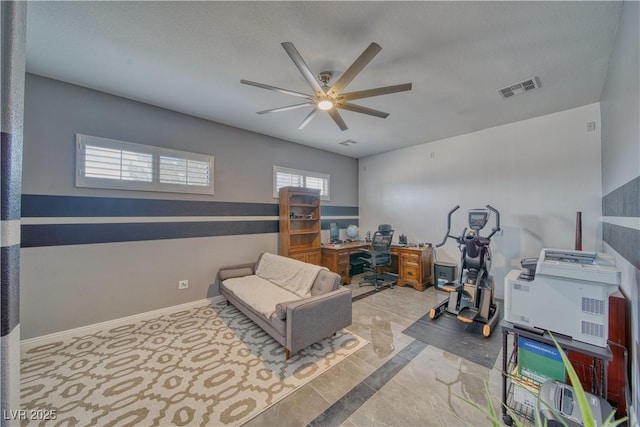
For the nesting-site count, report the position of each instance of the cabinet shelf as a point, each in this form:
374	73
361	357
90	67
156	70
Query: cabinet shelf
304	205
300	237
299	248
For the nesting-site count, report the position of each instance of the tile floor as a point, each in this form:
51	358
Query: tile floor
394	380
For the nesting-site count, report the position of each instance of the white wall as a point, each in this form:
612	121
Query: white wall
620	105
538	173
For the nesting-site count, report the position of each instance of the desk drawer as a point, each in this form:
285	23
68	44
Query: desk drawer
343	258
410	272
412	258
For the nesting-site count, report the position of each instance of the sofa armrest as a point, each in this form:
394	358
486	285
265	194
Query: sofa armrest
237	270
311	319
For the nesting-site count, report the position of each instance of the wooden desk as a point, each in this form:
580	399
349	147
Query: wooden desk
336	257
413	265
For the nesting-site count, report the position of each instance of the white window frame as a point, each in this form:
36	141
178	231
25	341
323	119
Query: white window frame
304	174
81	180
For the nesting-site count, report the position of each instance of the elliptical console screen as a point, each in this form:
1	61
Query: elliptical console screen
478	219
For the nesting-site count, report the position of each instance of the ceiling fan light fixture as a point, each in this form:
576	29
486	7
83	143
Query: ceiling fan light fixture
331	98
325	104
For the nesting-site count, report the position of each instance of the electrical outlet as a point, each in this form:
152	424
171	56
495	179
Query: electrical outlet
183	284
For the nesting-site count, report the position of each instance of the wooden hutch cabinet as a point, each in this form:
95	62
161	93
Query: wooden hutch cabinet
300	224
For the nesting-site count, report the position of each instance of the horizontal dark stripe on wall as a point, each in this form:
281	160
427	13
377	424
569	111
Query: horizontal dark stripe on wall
623	201
73	206
338	211
624	240
325	224
34	205
9	289
80	234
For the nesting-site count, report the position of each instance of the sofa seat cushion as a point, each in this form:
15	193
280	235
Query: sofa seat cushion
259	294
293	275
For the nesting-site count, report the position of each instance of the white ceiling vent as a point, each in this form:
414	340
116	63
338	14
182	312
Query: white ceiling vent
519	88
348	142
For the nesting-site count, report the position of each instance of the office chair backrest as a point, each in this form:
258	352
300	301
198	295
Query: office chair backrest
381	241
385	228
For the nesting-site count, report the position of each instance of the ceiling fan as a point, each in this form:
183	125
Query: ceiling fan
331	98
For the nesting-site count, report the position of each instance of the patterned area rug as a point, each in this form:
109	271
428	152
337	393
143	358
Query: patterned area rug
209	365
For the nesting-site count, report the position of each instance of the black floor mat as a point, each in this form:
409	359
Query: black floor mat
462	339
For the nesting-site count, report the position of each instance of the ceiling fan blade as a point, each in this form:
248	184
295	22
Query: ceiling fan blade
276	89
289	107
303	67
307	119
363	110
365	57
337	118
367	93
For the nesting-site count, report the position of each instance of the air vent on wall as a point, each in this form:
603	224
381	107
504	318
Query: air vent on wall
519	88
348	142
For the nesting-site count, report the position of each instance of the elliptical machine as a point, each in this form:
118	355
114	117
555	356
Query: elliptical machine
472	297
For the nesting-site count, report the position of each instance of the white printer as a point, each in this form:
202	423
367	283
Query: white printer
568	294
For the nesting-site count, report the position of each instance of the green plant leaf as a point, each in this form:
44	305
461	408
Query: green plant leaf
581	397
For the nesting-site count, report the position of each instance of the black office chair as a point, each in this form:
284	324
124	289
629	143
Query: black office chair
378	256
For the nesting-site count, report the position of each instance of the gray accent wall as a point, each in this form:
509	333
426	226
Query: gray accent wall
620	106
13	16
94	255
56	111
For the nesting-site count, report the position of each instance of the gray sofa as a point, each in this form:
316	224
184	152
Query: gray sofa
295	320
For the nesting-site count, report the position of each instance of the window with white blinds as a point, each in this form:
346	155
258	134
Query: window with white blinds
183	171
108	163
286	177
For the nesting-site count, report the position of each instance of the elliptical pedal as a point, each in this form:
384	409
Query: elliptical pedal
468	314
451	287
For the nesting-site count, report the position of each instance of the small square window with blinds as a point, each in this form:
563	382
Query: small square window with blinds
286	177
108	163
182	171
117	164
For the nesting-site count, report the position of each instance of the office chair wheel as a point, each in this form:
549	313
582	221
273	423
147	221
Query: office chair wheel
486	330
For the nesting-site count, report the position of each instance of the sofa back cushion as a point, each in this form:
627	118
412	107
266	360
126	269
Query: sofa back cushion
293	275
326	281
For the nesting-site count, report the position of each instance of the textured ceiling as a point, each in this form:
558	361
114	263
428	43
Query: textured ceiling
190	57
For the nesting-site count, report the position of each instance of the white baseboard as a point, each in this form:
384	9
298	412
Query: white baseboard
633	417
110	324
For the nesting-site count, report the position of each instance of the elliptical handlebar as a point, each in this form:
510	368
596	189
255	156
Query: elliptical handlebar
460	239
447	235
497	227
